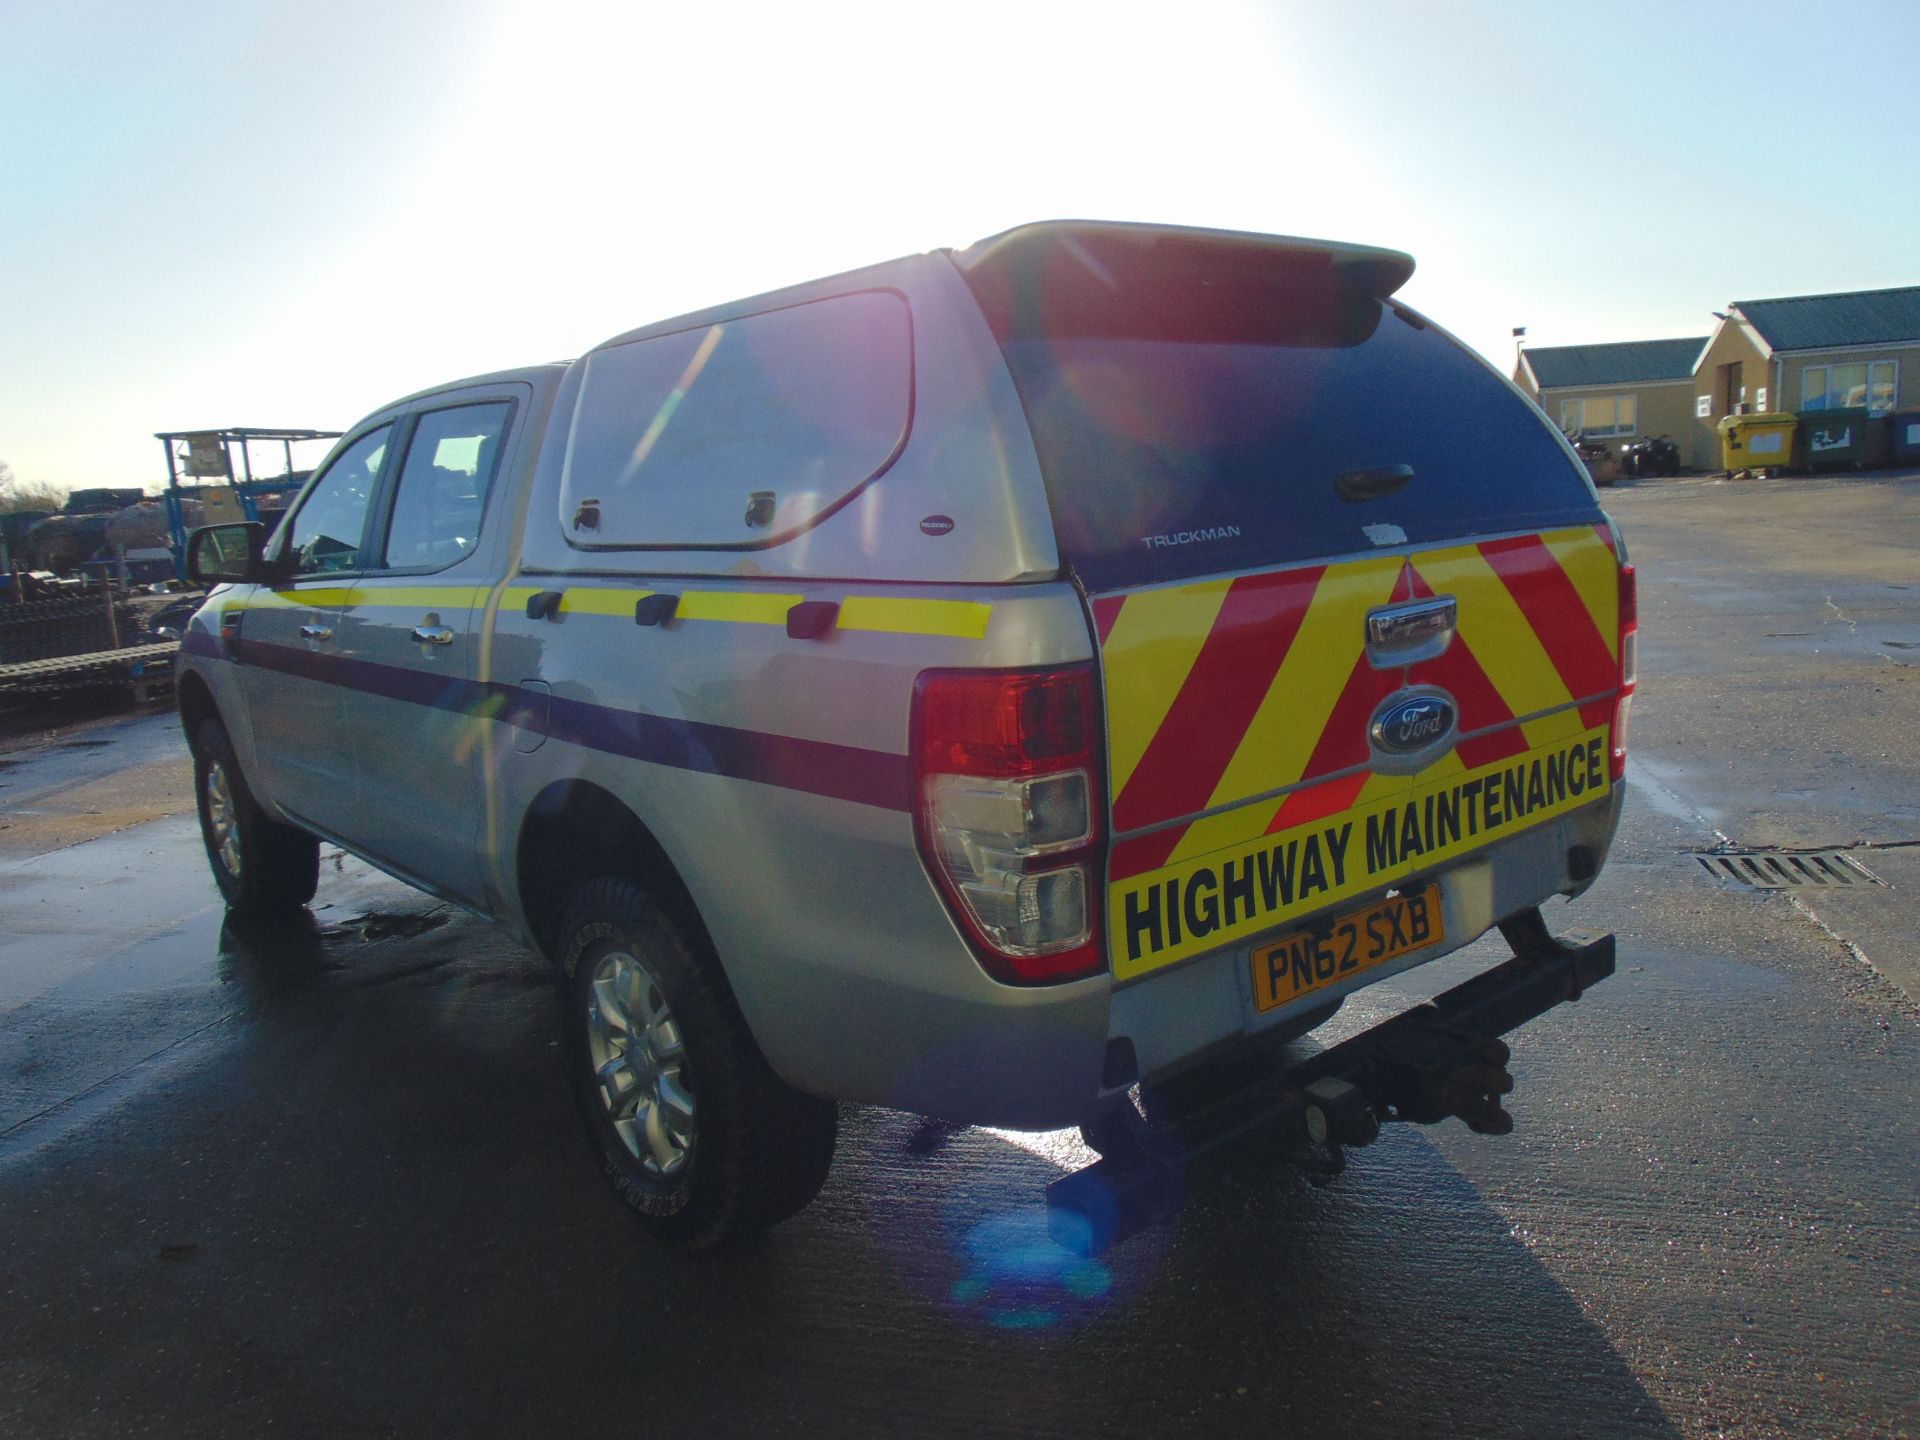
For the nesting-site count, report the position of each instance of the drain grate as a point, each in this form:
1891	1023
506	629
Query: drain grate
1787	869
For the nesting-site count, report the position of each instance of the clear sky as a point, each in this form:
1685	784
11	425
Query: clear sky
241	212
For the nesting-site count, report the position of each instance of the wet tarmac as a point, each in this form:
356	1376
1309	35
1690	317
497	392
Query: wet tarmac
330	1182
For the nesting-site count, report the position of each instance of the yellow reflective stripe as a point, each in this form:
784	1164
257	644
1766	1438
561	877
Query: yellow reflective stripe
1589	563
593	601
1231	827
1291	719
1496	630
372	594
1149	653
741	607
313	599
1558	726
414	597
1448	766
886	614
959	619
1250	822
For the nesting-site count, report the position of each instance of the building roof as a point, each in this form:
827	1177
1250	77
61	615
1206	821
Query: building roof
1629	362
1832	322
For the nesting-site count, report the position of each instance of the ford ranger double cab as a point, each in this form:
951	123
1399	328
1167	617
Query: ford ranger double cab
998	684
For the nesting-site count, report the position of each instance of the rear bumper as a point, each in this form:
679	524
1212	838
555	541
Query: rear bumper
1176	1018
900	1015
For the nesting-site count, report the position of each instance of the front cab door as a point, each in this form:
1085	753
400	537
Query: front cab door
288	643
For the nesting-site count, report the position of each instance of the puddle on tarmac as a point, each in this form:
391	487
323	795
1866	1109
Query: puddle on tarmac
378	925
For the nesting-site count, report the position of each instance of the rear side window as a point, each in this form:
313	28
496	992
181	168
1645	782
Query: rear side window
738	434
443	487
1217	441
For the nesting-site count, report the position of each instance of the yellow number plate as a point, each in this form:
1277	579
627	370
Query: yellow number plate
1300	963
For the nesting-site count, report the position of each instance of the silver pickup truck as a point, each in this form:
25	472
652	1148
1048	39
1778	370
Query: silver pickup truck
1005	684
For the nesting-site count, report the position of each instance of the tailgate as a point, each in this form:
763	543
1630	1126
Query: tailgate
1255	460
1248	786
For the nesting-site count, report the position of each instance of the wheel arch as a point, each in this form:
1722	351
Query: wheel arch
195	702
575	831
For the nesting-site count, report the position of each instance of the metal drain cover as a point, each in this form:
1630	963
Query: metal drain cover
1786	869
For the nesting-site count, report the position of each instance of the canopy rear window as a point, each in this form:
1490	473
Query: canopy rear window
1196	414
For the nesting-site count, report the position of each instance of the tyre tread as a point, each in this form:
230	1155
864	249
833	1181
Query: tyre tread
773	1146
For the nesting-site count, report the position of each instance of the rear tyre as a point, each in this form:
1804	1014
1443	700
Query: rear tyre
261	866
695	1132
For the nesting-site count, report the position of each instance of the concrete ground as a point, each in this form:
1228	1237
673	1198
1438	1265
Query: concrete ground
329	1181
1781	638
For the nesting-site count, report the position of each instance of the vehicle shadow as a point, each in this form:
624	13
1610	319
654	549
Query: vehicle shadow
373	1213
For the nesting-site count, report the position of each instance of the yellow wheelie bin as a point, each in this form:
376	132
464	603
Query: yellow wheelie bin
1757	442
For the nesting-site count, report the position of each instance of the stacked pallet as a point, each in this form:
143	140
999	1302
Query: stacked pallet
72	643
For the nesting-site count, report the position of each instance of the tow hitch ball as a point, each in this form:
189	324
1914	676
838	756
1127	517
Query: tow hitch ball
1433	1073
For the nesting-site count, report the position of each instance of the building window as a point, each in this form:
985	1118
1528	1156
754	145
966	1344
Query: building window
1599	416
1868	385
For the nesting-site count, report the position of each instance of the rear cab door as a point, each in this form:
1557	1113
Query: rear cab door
407	635
1356	606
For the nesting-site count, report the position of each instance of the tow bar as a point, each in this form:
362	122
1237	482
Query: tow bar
1444	1058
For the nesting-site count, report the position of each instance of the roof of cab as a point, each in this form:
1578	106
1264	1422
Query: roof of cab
523	375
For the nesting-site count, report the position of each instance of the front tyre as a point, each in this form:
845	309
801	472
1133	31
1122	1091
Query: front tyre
694	1130
262	867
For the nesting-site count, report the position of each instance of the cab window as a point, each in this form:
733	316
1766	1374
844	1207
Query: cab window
443	486
330	525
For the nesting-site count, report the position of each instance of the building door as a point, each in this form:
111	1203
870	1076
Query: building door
1733	389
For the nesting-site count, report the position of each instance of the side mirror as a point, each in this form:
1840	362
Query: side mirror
227	554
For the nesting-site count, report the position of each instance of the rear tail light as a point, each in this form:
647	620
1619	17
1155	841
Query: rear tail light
1629	666
1009	809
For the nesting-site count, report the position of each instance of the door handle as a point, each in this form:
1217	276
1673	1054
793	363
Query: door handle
317	632
431	636
1407	633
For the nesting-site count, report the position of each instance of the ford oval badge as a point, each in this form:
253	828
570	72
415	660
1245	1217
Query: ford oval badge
1412	724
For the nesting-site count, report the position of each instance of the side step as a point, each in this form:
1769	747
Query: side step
1439	1060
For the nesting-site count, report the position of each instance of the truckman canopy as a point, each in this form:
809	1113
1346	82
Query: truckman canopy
1202	402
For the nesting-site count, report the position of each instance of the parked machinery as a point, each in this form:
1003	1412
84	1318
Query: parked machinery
1654	455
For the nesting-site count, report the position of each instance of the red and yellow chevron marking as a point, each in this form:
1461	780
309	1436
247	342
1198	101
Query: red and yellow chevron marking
1239	708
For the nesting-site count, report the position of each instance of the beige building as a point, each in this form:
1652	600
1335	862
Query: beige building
1615	393
1859	350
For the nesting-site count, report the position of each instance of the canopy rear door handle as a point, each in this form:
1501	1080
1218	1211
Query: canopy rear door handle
433	635
317	632
1356	487
1406	634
